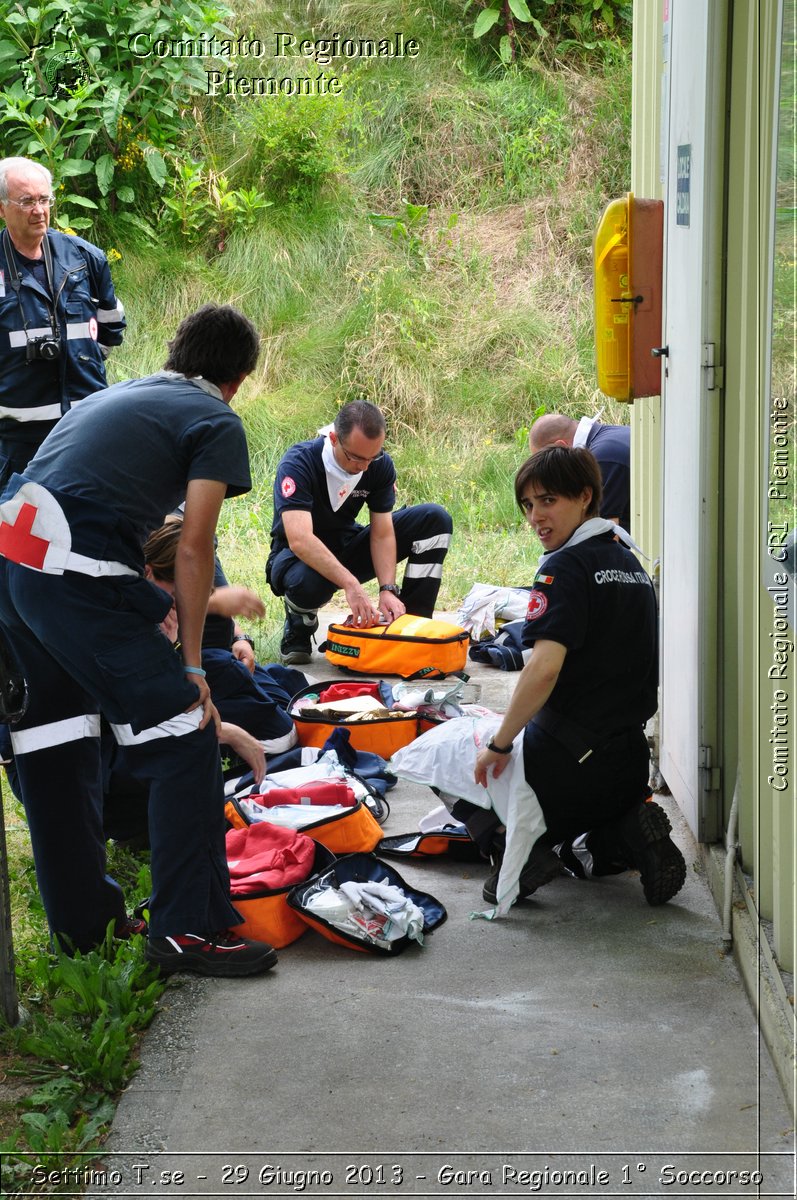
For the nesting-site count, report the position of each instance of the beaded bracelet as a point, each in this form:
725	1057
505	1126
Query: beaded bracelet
195	671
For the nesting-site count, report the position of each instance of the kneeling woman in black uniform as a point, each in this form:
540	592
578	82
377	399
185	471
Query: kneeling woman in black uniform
587	689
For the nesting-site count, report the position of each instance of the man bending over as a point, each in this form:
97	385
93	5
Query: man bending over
318	547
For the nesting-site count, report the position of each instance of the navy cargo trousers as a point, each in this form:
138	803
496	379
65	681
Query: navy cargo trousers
91	646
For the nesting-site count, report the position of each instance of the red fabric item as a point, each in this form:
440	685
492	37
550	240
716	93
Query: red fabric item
321	791
267	856
345	691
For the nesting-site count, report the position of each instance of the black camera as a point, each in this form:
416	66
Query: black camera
42	349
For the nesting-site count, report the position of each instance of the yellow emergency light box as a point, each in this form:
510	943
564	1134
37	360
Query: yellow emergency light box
627	264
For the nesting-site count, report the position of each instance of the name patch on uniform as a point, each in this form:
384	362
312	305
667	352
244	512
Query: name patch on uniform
287	487
538	602
621	577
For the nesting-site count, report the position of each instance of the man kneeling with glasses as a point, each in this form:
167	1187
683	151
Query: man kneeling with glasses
318	547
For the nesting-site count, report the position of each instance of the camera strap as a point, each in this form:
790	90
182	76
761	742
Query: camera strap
15	281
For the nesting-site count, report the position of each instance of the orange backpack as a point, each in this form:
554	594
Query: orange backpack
263	902
352	829
383	737
412	647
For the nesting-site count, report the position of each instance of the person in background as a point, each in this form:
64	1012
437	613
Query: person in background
611	446
59	315
318	547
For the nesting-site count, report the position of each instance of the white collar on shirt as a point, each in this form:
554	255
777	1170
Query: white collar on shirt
340	484
594	527
583	431
205	384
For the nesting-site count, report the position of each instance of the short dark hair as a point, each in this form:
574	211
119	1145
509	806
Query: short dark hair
360	414
217	342
562	471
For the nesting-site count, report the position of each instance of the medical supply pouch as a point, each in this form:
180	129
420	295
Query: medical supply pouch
455	844
265	863
311	770
382	733
342	828
363	903
411	647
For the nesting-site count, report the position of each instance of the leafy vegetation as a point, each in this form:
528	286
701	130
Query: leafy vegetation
89	98
584	26
422	237
74	1050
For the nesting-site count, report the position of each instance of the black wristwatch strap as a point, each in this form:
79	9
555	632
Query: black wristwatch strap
389	587
244	637
499	749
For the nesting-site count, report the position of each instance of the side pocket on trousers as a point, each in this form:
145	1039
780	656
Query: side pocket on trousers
144	679
140	657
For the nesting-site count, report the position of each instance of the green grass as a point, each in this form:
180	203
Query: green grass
75	1049
463	329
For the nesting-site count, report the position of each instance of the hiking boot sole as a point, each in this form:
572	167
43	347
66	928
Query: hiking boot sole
660	863
295	658
208	965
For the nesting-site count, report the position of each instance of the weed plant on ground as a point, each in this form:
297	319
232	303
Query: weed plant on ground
62	1067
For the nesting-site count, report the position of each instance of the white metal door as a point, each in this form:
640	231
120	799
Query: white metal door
694	134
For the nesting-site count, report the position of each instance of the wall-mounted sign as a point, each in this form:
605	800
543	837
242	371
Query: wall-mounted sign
683	181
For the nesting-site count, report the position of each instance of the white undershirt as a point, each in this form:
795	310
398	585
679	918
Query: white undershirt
340	484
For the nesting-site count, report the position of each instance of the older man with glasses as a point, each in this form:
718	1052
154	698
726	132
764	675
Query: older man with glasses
59	315
318	546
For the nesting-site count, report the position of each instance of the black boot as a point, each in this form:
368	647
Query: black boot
296	646
643	838
542	866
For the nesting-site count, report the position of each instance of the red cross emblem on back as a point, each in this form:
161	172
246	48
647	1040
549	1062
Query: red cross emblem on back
19	544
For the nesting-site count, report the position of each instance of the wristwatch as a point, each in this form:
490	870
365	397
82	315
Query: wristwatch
244	637
389	587
499	749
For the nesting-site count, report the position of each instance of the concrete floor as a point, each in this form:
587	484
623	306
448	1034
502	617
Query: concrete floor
602	1047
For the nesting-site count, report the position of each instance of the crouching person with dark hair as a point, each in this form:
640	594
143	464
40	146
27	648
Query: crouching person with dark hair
83	620
585	693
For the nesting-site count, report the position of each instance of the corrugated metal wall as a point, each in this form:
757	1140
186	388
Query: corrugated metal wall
767	815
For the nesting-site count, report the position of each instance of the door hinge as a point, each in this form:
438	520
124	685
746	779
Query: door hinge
711	774
715	374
